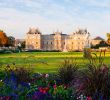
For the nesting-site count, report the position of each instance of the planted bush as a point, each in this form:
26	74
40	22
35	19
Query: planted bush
67	71
95	80
11	87
23	74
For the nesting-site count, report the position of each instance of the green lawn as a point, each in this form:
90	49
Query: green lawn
44	61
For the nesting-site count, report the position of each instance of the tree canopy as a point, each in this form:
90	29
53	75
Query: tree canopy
3	39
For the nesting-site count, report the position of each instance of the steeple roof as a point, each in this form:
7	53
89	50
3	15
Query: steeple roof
34	31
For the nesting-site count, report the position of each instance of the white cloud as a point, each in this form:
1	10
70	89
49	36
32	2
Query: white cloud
98	3
17	23
49	17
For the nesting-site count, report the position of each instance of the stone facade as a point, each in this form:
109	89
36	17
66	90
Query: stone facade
78	40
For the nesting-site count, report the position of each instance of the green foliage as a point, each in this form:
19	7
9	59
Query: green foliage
23	74
2	75
67	71
23	45
101	44
61	93
95	80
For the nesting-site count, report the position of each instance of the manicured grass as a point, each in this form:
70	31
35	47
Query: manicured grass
44	61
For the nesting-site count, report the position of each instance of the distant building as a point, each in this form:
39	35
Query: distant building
96	41
19	42
78	40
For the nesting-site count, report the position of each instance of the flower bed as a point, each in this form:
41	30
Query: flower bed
40	88
70	83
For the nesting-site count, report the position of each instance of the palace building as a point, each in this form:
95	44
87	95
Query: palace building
75	41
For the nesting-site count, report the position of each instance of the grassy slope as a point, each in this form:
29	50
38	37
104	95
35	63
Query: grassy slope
43	61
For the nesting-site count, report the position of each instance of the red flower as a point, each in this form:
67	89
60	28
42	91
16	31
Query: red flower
40	89
7	98
43	90
47	89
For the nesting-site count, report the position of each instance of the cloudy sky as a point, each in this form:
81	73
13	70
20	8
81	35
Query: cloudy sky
16	16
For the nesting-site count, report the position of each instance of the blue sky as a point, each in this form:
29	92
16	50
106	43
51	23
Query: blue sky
16	16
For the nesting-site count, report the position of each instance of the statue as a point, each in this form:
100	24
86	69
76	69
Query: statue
65	47
87	53
108	38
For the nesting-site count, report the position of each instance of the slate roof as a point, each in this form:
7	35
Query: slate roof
98	38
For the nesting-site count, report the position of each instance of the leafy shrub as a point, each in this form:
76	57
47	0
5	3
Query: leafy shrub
23	74
95	80
2	75
11	87
67	71
55	77
61	93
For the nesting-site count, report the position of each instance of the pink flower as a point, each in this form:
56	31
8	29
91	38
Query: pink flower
46	75
55	86
89	98
44	91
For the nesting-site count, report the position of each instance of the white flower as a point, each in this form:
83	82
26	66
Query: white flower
46	75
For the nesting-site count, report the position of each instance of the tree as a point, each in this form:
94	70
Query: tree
11	41
23	44
3	39
101	44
